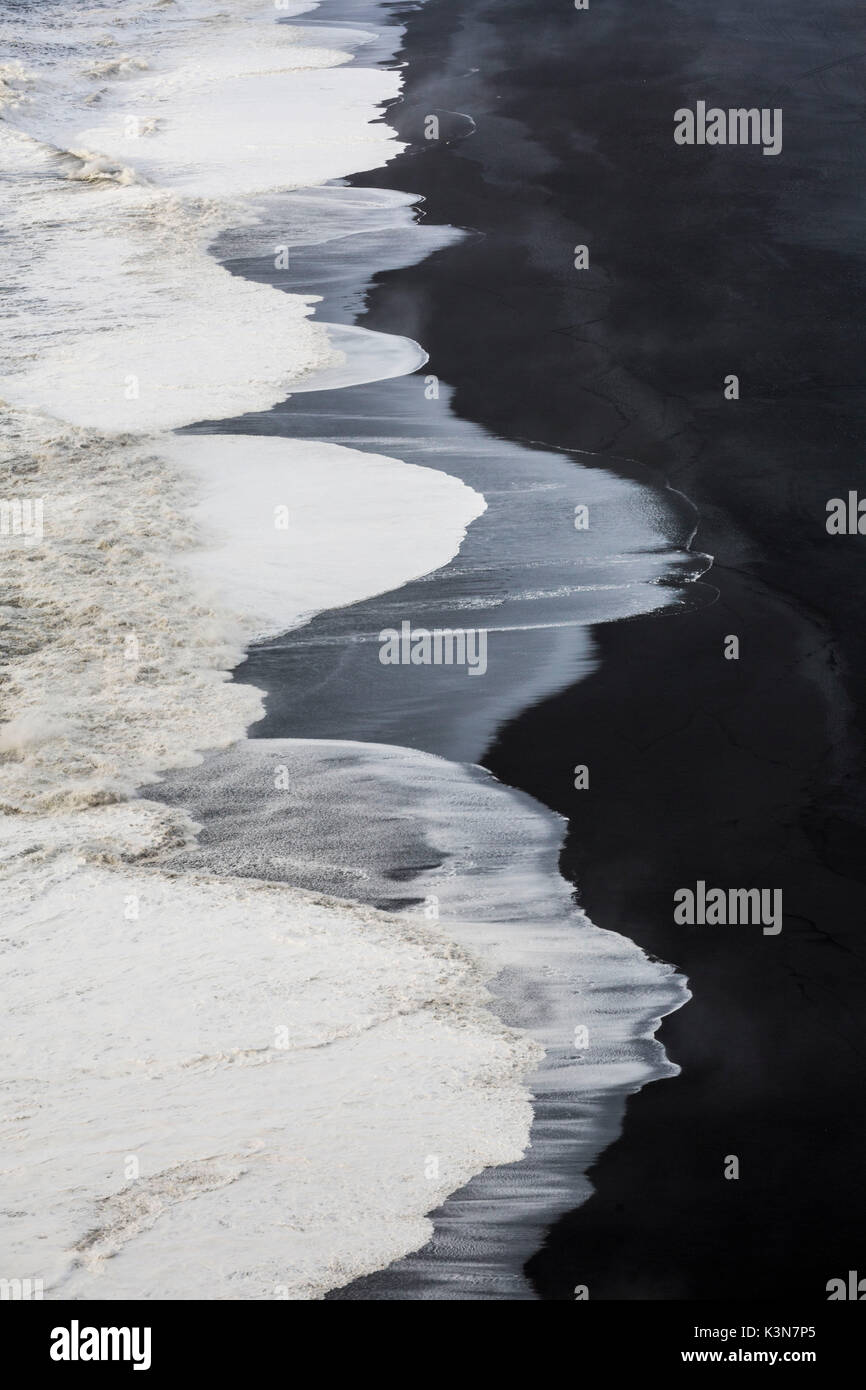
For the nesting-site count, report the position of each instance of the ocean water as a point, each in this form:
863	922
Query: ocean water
271	999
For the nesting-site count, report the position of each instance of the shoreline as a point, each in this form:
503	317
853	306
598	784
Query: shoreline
701	768
325	688
544	1183
201	1046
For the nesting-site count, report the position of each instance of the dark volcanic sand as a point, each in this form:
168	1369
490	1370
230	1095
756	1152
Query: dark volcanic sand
746	773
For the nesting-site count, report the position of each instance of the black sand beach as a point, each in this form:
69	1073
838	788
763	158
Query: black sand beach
703	262
255	1093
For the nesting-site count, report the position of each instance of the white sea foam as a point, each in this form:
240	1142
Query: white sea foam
298	527
119	318
116	317
115	662
233	1089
